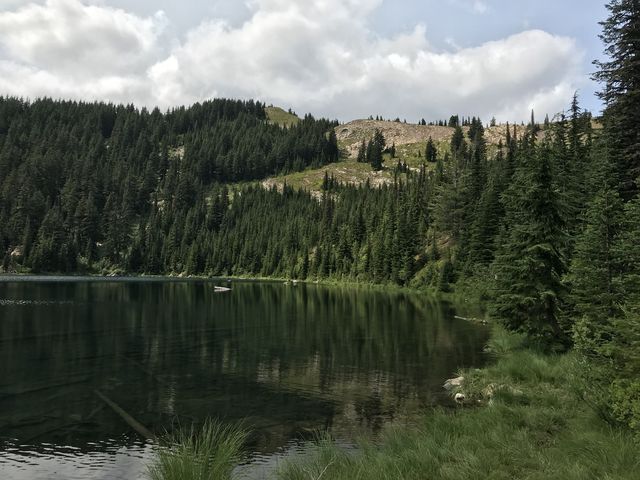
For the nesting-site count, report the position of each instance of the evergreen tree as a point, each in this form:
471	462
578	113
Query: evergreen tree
626	248
362	153
375	149
457	141
529	265
595	269
489	214
620	76
431	153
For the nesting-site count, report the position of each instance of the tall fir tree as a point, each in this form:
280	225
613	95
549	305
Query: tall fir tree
431	152
595	271
620	76
529	264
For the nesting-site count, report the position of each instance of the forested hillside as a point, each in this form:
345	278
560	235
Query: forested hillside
79	181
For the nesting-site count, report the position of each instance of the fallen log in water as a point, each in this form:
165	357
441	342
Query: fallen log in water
132	422
471	319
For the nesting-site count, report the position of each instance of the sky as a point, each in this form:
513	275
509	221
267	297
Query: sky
342	59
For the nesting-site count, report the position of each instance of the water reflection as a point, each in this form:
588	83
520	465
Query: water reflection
286	359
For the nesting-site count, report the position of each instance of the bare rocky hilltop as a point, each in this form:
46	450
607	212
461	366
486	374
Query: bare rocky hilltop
351	134
410	141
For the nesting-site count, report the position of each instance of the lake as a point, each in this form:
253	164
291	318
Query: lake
286	360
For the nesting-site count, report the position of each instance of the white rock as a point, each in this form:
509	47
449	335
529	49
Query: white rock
453	382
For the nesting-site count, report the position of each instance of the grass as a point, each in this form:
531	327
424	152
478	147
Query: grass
348	171
414	153
208	454
526	421
281	117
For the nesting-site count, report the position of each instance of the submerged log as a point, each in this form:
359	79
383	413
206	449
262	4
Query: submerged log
471	319
132	422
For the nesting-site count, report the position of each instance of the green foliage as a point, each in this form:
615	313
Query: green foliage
457	140
210	453
375	147
431	153
626	248
611	365
529	265
625	406
619	74
86	183
596	266
604	277
605	272
503	342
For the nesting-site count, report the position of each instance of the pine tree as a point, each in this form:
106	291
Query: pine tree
529	265
374	151
608	335
457	141
431	153
325	182
627	249
620	76
488	216
595	269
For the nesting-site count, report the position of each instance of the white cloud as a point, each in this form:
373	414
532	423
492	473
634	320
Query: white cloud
475	6
66	48
318	55
479	6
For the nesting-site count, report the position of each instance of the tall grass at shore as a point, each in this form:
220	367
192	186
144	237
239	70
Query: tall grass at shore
210	453
523	419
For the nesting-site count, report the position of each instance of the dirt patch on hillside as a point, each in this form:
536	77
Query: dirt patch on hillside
350	135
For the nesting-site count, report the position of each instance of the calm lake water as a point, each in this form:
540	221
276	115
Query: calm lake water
287	360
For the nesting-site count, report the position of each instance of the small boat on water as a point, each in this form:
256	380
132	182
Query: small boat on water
221	289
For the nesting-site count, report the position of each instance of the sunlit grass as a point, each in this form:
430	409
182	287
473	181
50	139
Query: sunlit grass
281	117
344	172
209	453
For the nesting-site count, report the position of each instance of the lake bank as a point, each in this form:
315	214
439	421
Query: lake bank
468	297
522	418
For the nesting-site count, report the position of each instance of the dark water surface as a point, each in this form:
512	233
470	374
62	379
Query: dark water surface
288	360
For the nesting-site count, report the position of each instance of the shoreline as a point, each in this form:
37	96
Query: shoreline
521	417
